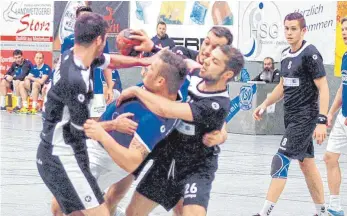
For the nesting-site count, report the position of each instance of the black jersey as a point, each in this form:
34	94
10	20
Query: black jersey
66	107
187	53
299	70
209	112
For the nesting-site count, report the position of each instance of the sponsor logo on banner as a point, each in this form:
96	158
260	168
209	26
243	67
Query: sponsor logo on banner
261	28
68	19
27	26
258	28
246	96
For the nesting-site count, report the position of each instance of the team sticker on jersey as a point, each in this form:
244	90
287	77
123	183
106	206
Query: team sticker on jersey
81	98
215	105
291	82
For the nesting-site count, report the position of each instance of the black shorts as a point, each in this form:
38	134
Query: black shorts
69	179
297	141
160	150
166	182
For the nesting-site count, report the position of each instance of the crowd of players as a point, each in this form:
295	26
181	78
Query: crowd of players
90	153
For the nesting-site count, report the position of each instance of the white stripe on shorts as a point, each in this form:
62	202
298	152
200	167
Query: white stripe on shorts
79	181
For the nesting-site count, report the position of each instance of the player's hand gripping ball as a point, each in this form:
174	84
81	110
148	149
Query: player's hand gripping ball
125	45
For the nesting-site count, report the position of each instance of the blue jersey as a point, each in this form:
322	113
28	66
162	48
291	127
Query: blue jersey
68	43
115	79
39	72
151	128
344	84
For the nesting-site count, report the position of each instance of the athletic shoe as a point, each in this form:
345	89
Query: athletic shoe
335	213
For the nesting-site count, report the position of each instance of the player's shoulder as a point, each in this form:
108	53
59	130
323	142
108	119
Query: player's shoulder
310	49
69	38
46	67
184	51
344	56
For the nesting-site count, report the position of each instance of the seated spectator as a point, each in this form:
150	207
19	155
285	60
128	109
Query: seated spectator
50	77
161	39
17	72
243	76
269	73
33	83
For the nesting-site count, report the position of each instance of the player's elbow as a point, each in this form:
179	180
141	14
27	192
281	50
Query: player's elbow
131	166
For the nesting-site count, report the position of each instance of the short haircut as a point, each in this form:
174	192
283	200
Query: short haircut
39	52
17	52
223	32
174	70
83	9
343	20
161	23
88	27
235	60
296	16
272	62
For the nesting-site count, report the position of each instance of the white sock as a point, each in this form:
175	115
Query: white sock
267	208
2	101
335	202
19	101
34	104
25	104
320	209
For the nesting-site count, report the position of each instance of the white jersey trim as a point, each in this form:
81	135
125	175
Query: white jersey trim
193	87
287	54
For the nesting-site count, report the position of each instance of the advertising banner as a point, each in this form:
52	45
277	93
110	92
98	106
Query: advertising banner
27	26
187	21
261	28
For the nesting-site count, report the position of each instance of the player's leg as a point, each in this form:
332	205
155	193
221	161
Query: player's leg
155	189
337	144
197	186
69	179
140	205
24	87
308	166
178	209
279	170
3	91
116	193
24	92
55	208
36	89
314	183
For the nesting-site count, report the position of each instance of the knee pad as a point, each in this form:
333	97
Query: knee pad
280	165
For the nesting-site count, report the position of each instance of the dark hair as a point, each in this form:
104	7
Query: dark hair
296	16
223	32
272	62
161	23
343	20
83	9
17	52
174	70
88	27
235	60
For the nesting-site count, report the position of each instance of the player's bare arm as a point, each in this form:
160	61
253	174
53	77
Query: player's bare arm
335	106
276	95
216	137
127	159
122	124
320	132
157	104
110	84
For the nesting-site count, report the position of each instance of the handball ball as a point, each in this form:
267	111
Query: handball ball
125	45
